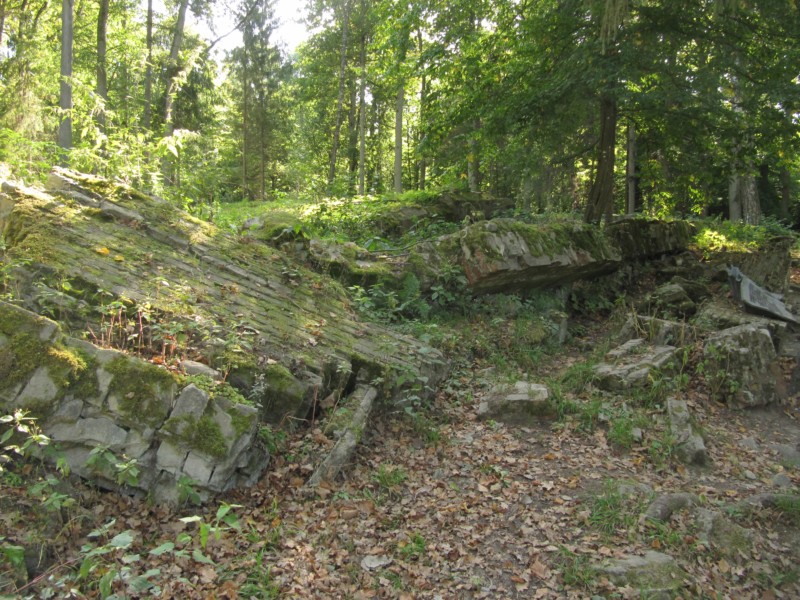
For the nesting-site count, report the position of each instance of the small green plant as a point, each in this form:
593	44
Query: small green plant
107	564
19	423
389	478
576	569
224	519
274	440
424	427
414	547
187	491
661	449
789	506
590	414
258	583
663	535
124	471
613	511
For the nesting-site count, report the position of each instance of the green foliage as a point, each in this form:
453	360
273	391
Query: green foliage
389	478
789	506
123	471
274	440
715	235
414	548
187	493
614	511
576	569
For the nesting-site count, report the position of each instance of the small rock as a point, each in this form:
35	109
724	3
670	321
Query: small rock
749	443
524	404
662	507
192	367
637	434
788	455
727	537
689	445
372	562
781	480
655	574
750	475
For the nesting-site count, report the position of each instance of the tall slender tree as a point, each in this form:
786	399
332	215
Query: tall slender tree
65	94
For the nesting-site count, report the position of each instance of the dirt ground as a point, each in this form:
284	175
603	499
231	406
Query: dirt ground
442	505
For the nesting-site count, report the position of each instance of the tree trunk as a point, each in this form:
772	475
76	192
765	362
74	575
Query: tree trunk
398	139
148	75
734	199
786	195
102	77
473	167
743	203
601	195
2	20
65	94
172	69
352	138
169	94
262	161
631	180
362	117
245	124
340	99
423	163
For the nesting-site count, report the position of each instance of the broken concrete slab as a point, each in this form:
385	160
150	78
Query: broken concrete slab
242	304
524	403
689	445
655	575
757	299
632	364
640	239
742	367
508	255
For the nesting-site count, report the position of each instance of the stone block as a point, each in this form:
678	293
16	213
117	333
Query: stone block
191	402
632	364
742	366
689	445
40	390
91	432
655	574
170	458
523	404
198	468
192	367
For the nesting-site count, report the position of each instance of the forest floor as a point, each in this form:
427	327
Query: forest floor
438	504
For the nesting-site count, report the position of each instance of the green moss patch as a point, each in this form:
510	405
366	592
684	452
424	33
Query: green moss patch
203	435
140	387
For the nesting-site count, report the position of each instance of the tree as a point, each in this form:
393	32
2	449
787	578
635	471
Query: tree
102	43
343	17
65	93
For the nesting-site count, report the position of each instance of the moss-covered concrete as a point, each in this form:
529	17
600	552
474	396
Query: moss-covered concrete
237	303
32	343
142	390
203	435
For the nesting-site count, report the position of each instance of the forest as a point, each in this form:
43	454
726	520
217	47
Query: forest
597	106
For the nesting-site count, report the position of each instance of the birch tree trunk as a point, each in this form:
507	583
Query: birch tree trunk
398	140
340	99
362	118
172	75
102	74
65	93
148	75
